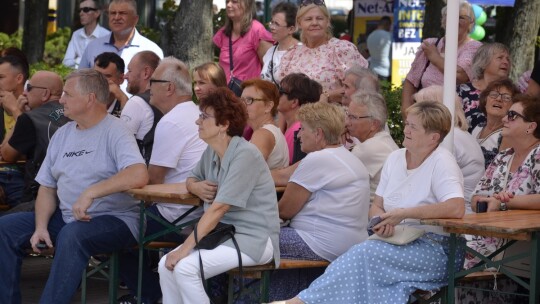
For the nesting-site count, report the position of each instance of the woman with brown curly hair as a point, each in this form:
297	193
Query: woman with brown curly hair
235	183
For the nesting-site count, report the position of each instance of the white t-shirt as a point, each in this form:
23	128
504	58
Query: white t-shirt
470	160
335	216
490	142
274	60
279	157
373	153
177	146
436	180
138	116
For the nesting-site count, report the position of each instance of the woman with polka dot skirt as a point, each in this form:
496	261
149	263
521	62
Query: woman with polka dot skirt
418	182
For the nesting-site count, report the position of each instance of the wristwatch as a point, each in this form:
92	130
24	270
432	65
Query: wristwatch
503	206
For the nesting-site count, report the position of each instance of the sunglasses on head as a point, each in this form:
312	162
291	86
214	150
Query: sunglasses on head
87	9
316	2
513	115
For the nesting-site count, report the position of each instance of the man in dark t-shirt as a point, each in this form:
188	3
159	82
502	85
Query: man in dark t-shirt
38	115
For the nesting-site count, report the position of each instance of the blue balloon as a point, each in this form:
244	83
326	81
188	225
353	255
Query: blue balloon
477	10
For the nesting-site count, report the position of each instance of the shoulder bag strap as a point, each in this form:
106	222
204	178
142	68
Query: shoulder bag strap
231	65
272	66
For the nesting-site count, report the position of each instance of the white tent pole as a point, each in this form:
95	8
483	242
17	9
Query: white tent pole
450	64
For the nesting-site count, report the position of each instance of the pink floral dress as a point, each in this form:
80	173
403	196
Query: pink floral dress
326	63
526	180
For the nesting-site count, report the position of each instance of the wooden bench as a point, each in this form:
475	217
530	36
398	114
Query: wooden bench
263	272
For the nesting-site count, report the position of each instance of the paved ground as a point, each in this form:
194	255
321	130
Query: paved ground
34	274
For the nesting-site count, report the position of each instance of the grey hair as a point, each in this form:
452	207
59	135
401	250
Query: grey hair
131	3
177	72
375	104
366	79
91	81
463	4
483	57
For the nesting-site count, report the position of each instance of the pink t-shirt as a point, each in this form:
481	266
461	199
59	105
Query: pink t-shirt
326	63
289	138
432	75
245	59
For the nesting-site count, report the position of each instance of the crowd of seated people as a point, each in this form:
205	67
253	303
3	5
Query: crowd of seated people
318	124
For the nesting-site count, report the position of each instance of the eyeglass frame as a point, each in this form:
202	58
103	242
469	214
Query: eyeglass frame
512	115
273	23
28	87
204	116
250	100
283	92
491	94
355	117
153	80
87	9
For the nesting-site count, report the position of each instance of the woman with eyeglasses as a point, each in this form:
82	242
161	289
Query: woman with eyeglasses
326	199
490	63
494	102
245	38
512	180
418	182
234	181
321	57
282	26
261	98
428	66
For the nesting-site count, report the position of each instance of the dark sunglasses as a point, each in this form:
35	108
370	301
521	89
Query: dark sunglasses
87	9
513	115
316	2
29	87
283	92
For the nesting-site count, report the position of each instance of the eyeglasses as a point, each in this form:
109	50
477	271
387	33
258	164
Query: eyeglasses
283	92
87	9
465	18
29	87
250	100
204	116
504	97
513	115
354	117
152	80
275	24
316	2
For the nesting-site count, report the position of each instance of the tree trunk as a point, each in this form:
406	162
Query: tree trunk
521	34
36	13
188	36
432	19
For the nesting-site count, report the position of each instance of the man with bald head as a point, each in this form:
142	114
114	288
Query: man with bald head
38	115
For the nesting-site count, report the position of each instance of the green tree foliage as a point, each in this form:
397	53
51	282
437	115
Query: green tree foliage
392	96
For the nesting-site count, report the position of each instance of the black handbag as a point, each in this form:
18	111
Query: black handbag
221	233
235	84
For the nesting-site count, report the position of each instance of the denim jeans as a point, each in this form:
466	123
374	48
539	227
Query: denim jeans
13	183
129	262
74	243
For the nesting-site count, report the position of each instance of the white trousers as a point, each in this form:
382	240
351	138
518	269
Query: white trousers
183	285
